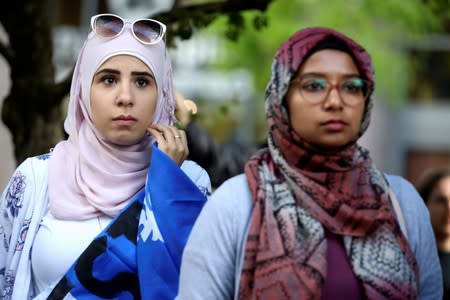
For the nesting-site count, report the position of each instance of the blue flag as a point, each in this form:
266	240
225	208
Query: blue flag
138	255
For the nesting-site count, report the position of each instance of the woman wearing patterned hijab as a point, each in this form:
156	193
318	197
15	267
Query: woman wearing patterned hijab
312	217
95	217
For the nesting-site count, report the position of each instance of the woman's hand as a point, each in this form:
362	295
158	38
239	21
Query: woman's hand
172	141
184	109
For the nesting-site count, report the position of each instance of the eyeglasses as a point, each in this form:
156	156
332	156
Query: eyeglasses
146	31
316	89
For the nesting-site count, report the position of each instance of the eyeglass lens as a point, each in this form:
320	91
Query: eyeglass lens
108	26
352	91
147	30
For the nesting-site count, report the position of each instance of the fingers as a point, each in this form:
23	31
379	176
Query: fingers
172	135
191	106
171	141
184	108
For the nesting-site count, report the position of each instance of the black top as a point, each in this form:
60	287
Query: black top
444	258
220	160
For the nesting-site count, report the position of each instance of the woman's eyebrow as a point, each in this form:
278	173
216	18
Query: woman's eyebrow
310	74
144	73
106	70
134	73
317	74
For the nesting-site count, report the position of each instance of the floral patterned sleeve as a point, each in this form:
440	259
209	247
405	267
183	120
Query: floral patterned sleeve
21	205
10	203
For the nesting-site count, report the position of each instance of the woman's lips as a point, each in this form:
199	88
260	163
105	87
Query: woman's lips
334	125
125	120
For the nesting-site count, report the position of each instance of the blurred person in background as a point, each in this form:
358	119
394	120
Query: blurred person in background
434	187
221	160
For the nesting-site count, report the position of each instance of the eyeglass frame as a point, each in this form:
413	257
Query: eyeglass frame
330	86
126	21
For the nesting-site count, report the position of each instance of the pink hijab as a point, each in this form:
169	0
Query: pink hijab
88	176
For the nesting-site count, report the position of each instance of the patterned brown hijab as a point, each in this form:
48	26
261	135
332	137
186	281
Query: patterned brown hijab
299	191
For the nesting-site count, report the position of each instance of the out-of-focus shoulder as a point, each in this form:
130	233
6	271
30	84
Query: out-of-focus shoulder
35	164
398	180
234	195
401	185
198	175
190	166
410	201
28	180
236	183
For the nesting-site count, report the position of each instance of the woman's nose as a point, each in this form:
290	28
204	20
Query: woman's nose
125	96
333	99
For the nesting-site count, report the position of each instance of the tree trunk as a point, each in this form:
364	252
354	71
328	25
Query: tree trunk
33	133
32	110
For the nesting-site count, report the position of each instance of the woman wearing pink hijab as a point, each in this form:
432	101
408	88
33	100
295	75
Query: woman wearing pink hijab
78	221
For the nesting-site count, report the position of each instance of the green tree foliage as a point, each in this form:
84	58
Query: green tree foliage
384	28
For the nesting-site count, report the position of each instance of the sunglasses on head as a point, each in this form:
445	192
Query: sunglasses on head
146	31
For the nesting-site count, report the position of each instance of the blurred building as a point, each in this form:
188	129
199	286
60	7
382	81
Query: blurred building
423	125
